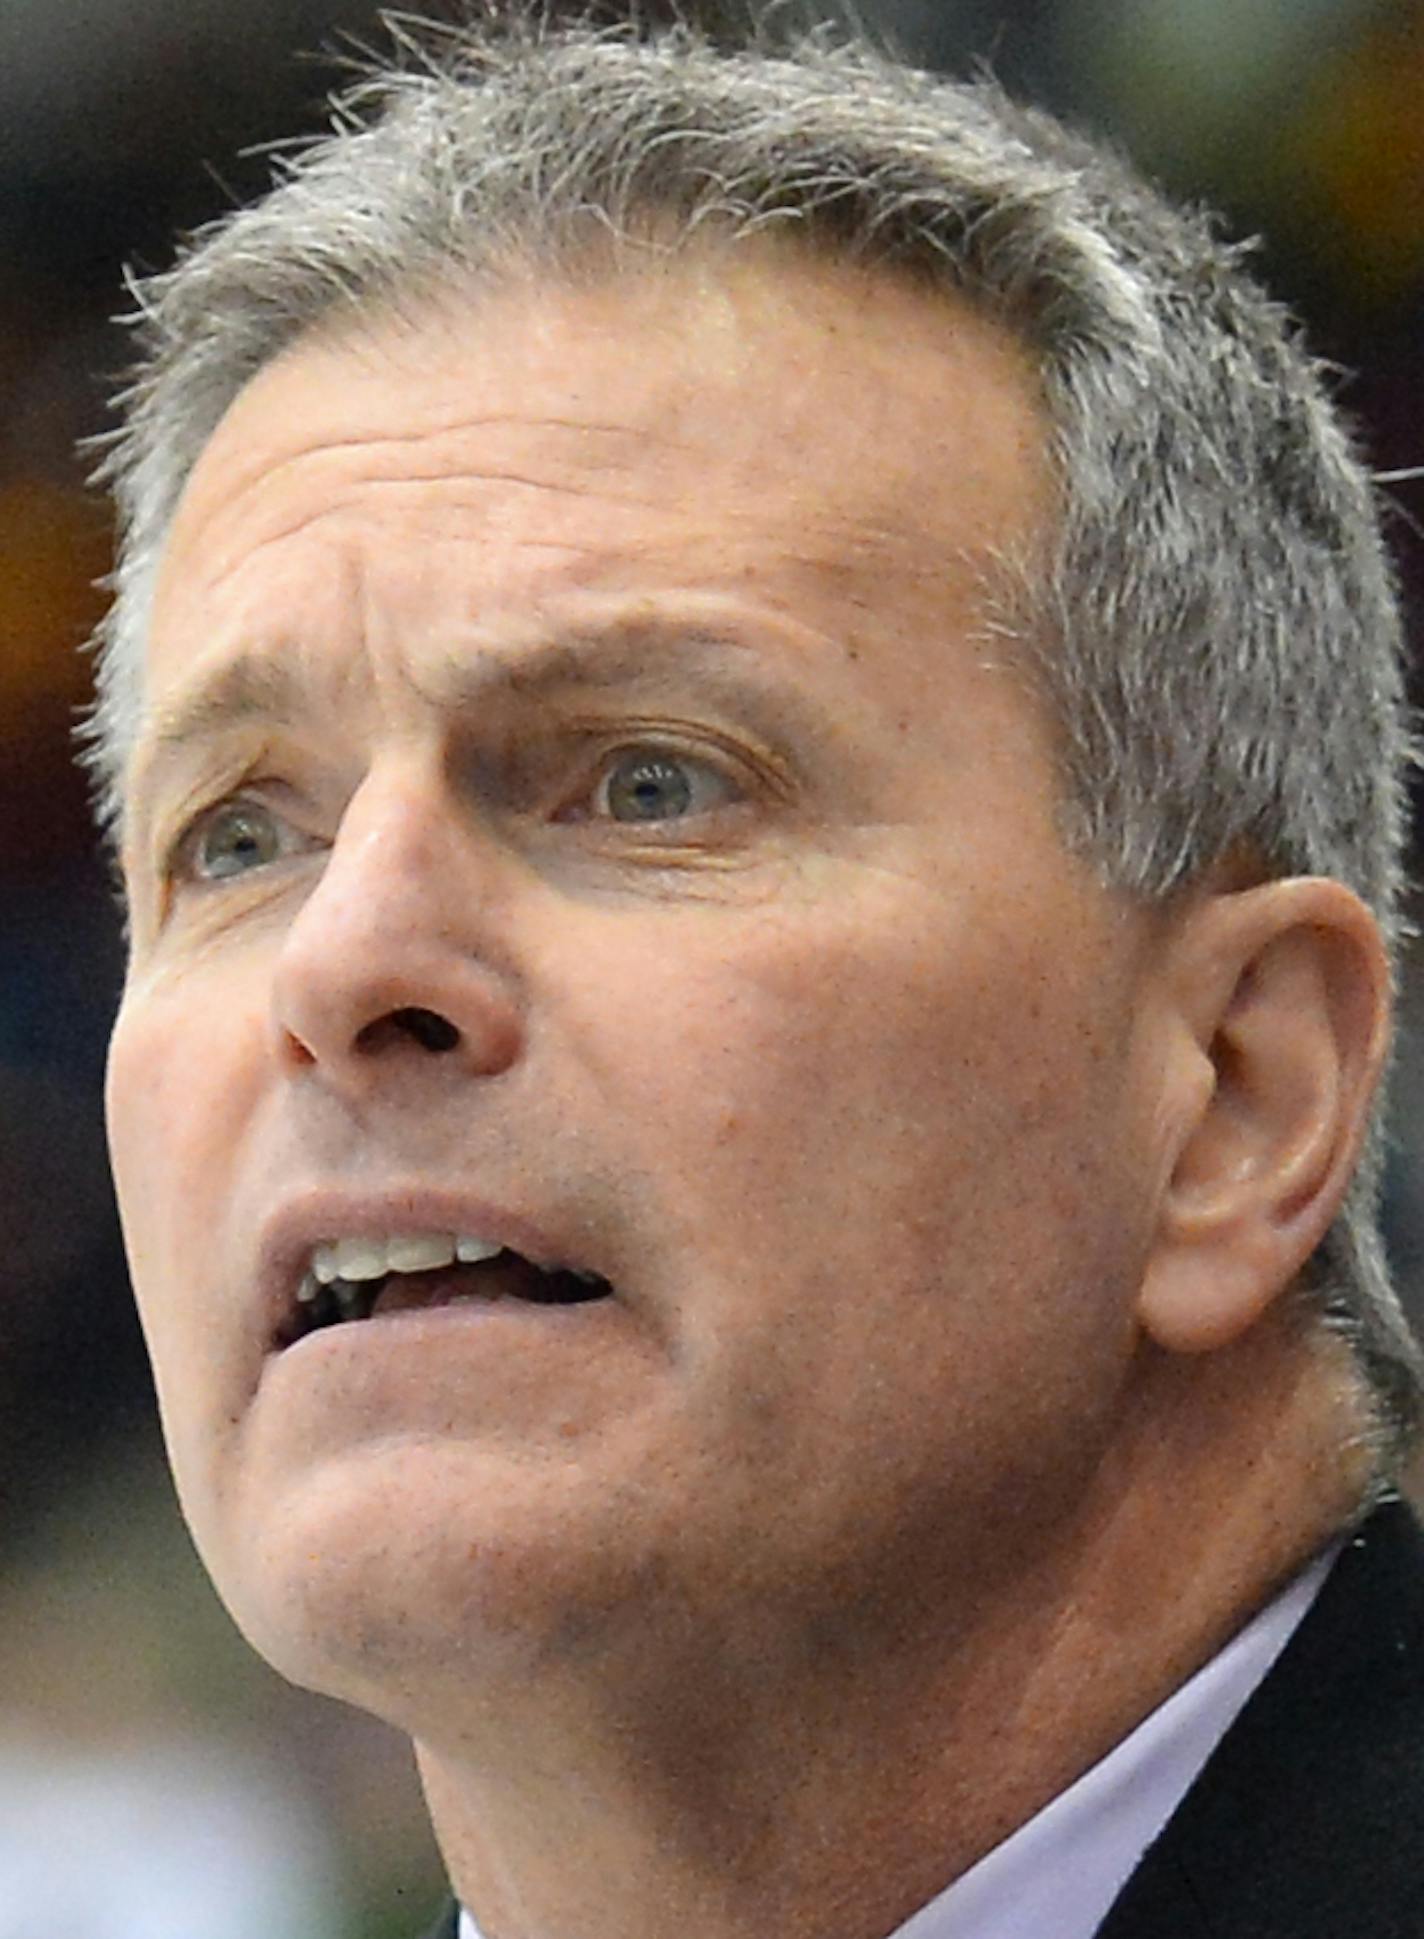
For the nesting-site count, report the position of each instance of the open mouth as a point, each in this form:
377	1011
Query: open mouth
368	1288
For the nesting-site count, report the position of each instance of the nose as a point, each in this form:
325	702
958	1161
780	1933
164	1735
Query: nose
393	957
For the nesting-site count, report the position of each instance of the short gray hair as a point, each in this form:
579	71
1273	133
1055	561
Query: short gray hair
1215	620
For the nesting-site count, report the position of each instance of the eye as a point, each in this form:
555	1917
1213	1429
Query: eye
232	839
649	784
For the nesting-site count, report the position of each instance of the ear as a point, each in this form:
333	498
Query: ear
1280	999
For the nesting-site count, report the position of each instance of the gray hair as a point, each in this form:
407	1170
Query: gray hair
1215	623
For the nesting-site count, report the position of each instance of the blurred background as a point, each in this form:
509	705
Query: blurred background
136	1731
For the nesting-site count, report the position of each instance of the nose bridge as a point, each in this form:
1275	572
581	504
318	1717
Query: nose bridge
386	862
401	924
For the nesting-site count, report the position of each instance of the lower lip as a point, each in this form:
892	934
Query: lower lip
462	1307
497	1370
415	1326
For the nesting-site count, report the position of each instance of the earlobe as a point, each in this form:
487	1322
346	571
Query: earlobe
1284	992
1191	1303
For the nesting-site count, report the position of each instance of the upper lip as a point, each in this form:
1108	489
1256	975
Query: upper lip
289	1236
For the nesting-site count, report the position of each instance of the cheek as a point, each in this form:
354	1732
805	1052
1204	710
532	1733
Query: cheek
871	1075
889	1215
178	1095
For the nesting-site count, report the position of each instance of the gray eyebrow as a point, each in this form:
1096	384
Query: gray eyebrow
259	689
615	654
634	650
254	687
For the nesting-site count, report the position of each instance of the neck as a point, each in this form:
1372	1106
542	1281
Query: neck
831	1783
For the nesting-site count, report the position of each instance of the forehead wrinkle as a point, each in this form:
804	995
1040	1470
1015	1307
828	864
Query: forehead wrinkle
233	467
460	425
473	483
555	487
265	466
294	527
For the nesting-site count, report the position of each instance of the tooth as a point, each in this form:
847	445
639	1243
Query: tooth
588	1278
351	1301
360	1259
309	1288
324	1264
471	1251
419	1252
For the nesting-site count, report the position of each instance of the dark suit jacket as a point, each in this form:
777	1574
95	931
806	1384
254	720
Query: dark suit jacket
1308	1820
448	1924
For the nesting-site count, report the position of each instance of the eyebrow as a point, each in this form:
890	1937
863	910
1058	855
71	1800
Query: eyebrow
255	690
255	687
625	652
259	690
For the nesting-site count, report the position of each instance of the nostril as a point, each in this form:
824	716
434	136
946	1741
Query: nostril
429	1029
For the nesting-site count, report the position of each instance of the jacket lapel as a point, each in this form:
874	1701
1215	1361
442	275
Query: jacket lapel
1308	1820
447	1926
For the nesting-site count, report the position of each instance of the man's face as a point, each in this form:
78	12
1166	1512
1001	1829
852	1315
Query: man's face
581	808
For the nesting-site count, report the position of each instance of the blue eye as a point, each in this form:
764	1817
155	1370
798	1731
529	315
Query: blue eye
645	785
233	838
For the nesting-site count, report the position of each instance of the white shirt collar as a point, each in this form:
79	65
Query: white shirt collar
1061	1871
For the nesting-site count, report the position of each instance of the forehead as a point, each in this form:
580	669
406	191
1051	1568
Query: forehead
826	438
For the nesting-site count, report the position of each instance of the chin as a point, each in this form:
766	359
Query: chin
413	1604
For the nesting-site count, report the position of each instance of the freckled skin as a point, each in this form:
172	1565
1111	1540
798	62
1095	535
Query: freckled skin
848	1086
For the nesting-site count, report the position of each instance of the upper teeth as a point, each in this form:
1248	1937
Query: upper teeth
358	1259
